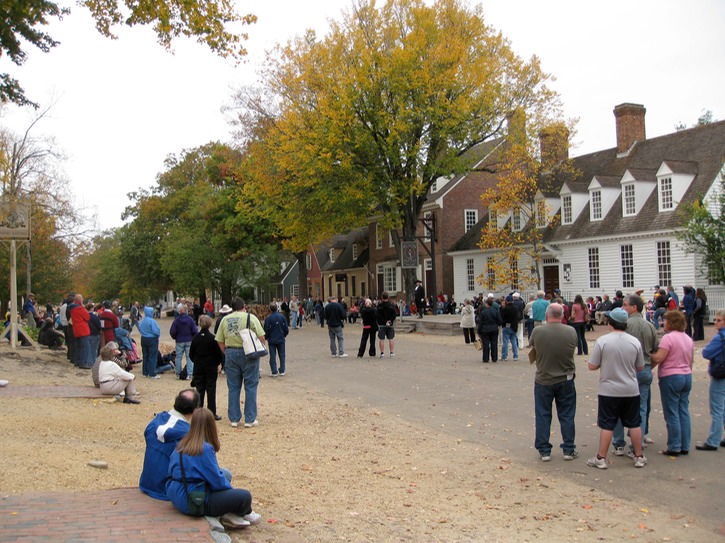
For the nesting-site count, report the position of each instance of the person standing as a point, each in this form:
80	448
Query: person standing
618	357
240	370
294	313
209	357
554	382
646	334
538	309
135	314
63	313
276	330
386	325
674	359
714	353
335	316
150	333
183	330
80	319
29	312
688	306
109	323
468	322
369	316
419	296
509	328
699	314
579	318
489	319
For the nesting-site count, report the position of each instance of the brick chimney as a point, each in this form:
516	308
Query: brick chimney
554	144
630	125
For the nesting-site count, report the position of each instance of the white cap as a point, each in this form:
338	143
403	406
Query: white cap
516	295
490	295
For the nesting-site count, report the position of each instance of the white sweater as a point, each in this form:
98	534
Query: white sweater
109	370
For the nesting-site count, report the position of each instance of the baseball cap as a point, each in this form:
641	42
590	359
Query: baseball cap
617	314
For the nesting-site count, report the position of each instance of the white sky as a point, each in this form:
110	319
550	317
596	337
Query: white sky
124	105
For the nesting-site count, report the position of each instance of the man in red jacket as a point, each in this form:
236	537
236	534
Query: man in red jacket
109	323
82	333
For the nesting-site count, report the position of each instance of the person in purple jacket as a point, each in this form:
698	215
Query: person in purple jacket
183	330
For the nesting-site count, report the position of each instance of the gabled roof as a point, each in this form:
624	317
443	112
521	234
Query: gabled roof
344	260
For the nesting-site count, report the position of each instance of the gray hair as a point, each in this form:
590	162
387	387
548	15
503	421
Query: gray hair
555	311
109	350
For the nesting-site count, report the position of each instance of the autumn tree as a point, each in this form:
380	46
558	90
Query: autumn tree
208	21
519	215
704	232
369	117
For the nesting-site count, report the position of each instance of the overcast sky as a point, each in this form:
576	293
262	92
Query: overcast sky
124	105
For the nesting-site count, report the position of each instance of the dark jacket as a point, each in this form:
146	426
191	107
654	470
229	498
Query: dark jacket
275	328
205	352
509	316
183	329
370	317
335	315
488	320
386	314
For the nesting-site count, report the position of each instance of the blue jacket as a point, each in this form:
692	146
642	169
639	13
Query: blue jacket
713	350
275	328
202	473
688	301
183	329
162	434
148	326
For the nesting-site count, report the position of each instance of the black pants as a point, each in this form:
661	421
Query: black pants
234	500
469	334
367	333
69	342
205	383
490	345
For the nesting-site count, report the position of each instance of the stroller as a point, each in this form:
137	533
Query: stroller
127	345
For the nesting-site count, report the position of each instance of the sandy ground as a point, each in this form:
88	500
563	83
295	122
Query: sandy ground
319	469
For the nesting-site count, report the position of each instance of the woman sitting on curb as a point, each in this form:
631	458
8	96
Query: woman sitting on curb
112	378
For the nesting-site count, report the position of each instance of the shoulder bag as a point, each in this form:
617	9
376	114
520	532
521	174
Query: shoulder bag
197	498
253	347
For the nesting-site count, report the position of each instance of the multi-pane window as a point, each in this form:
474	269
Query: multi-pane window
354	251
594	267
390	278
514	265
391	243
516	219
541	213
629	201
566	209
490	273
596	205
470	275
627	266
378	237
308	261
471	218
666	201
664	263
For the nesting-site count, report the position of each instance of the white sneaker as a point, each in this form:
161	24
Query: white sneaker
596	462
232	520
640	461
572	455
234	424
3	383
343	355
253	518
382	355
251	424
618	451
334	356
392	355
545	457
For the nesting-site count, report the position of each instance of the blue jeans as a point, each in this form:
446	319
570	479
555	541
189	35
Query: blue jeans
274	350
181	349
294	318
241	371
675	394
644	380
509	335
581	340
656	316
150	354
564	394
717	408
84	354
336	335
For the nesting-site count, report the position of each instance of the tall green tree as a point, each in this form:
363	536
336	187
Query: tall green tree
369	117
704	232
206	20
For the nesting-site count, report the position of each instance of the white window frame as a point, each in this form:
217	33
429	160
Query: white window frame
541	218
378	237
470	275
354	251
331	255
665	193
593	261
664	263
566	211
514	265
470	218
626	254
390	278
516	219
629	200
490	273
308	261
595	205
391	242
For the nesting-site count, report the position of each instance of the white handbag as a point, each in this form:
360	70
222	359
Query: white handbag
253	347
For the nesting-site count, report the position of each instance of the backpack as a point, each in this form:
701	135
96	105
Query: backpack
717	366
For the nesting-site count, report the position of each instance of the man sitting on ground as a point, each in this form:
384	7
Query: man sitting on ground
162	434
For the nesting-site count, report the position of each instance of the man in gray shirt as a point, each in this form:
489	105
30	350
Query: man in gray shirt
645	332
554	382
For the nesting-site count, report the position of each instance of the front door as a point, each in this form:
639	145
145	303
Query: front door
551	278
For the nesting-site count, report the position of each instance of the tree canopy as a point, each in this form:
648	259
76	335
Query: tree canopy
208	21
366	119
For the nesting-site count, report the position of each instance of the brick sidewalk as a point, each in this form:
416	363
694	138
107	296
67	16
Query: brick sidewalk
122	515
51	391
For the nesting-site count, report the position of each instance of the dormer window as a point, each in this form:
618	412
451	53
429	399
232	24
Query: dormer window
471	218
595	205
492	219
516	219
541	214
332	256
354	251
308	261
378	237
566	209
665	194
628	200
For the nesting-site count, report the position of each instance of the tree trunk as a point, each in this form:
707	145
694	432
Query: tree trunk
301	257
28	284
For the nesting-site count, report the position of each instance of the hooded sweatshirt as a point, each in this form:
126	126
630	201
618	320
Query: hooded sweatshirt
148	326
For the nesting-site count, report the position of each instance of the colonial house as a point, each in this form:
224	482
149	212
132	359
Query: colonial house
611	225
454	205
